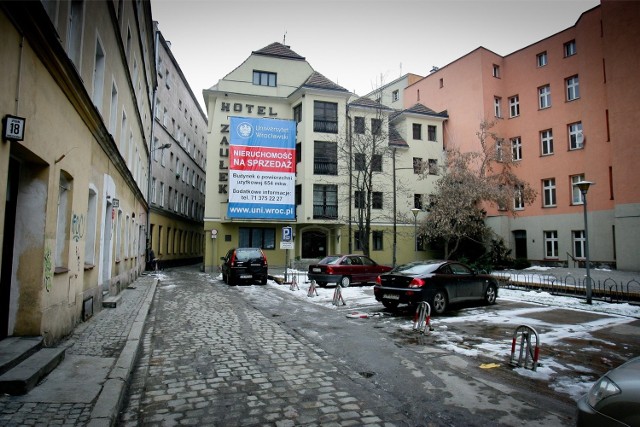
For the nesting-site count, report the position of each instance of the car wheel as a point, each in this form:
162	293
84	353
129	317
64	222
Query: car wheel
345	281
439	302
491	294
230	280
263	282
391	305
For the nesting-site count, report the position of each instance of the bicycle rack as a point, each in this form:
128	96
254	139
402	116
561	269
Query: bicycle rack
312	289
527	356
422	318
337	296
294	284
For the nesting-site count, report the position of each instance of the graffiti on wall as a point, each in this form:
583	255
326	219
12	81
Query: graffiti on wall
77	227
48	268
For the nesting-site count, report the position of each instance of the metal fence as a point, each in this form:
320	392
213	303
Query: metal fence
608	289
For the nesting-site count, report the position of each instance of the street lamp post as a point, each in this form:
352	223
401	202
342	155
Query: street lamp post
415	211
583	186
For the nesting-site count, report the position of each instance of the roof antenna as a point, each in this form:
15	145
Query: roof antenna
284	38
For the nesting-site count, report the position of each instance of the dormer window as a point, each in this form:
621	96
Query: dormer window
264	78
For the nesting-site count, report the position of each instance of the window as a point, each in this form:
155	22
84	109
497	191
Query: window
74	41
417	165
551	244
433	166
298	152
359	162
579	244
376	126
570	48
573	88
576	139
325	201
377	237
516	148
98	75
544	96
431	133
376	163
518	200
358	125
153	190
357	242
325	117
264	78
395	95
297	113
546	142
63	225
90	242
514	106
359	201
441	85
256	237
499	148
325	158
497	106
541	59
417	201
376	200
496	71
161	203
113	114
576	194
549	192
417	131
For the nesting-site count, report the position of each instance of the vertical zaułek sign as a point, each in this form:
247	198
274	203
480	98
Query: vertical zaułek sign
262	168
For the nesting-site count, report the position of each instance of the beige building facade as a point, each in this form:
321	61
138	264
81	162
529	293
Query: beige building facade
77	81
276	82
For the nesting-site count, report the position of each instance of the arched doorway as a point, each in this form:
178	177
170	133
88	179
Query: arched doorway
314	244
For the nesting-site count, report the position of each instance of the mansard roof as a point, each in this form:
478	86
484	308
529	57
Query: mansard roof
317	80
369	103
278	50
395	139
421	109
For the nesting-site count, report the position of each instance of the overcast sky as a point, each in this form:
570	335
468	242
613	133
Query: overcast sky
355	43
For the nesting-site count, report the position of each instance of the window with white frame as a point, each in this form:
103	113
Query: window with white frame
570	48
514	106
161	194
516	148
496	70
576	139
579	244
546	142
264	78
573	88
153	190
551	244
542	59
576	194
433	166
497	106
432	133
395	95
518	199
544	96
549	192
499	147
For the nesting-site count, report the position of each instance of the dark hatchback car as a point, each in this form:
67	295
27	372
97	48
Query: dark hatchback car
437	282
244	265
614	400
346	269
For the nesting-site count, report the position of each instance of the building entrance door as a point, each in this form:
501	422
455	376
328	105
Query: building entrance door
7	244
314	244
520	238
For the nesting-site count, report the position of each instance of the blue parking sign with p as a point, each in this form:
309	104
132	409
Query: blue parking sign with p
287	234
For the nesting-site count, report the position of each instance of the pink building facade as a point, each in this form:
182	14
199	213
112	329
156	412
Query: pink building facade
567	108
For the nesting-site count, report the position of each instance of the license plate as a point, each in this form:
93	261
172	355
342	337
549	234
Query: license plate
391	296
246	276
316	270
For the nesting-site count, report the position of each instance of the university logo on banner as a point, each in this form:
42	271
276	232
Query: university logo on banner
262	168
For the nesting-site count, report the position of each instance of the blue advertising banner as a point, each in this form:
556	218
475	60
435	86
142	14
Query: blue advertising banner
262	168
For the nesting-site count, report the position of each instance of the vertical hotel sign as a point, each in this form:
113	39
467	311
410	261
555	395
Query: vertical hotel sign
262	168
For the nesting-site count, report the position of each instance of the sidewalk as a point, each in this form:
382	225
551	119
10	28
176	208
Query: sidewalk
87	388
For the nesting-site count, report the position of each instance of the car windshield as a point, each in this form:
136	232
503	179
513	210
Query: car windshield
330	260
417	268
248	254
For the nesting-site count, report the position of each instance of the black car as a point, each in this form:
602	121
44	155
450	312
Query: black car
244	265
436	282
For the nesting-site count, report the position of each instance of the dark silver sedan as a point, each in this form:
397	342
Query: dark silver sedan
614	400
437	282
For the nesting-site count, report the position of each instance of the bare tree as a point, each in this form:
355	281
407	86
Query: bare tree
470	180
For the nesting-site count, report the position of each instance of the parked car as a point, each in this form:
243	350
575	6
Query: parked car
437	282
614	400
345	270
244	265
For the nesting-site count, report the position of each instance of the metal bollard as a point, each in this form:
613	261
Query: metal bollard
312	289
337	296
527	356
422	318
